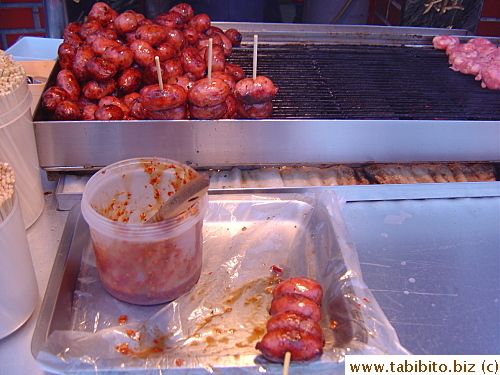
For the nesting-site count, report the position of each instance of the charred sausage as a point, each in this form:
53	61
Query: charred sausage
208	113
144	53
177	113
66	53
255	111
192	62
96	90
122	57
100	69
129	80
300	285
67	80
102	12
292	320
82	56
155	99
200	22
253	91
108	112
126	22
153	34
53	96
205	93
296	303
99	45
302	345
234	36
67	111
185	10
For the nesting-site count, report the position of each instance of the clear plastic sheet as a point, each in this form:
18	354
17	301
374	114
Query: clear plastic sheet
214	327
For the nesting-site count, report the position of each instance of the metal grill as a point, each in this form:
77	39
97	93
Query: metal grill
369	82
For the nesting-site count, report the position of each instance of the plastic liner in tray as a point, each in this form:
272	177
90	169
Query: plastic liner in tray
215	326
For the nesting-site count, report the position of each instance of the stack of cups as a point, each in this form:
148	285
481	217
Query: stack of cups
18	286
17	137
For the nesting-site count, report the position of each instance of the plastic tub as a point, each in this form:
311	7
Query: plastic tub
18	148
18	285
143	263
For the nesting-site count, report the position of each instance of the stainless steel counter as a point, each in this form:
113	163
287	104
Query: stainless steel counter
433	265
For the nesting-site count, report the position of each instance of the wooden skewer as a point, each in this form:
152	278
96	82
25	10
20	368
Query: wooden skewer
158	71
255	42
209	63
286	363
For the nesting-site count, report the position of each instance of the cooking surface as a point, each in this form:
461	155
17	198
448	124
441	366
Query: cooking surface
369	82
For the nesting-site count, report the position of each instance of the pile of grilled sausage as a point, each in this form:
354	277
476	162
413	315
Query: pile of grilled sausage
108	70
293	326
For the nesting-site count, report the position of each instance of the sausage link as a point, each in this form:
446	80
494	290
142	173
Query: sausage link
122	57
300	285
67	80
144	53
254	91
53	96
292	320
100	69
155	99
129	80
206	93
68	111
96	90
296	303
108	112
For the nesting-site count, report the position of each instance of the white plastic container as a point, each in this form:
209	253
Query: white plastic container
18	285
18	148
143	263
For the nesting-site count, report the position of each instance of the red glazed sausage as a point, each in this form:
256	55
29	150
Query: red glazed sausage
67	80
83	54
102	12
53	96
66	53
185	10
129	80
88	112
108	112
218	58
302	345
177	113
234	36
88	28
67	111
153	34
291	320
253	91
235	70
300	285
144	53
122	57
99	45
100	69
200	22
113	100
208	94
96	90
296	303
165	51
175	38
208	113
255	111
154	99
192	62
125	22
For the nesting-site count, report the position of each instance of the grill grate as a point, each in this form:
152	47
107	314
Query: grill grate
369	82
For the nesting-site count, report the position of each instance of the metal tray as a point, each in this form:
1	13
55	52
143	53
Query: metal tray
58	307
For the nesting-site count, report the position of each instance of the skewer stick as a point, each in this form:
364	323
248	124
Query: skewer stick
158	71
255	42
286	363
209	63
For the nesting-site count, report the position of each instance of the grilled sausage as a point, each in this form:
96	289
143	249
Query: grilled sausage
113	100
235	70
153	34
231	104
173	67
130	98
99	45
185	10
200	22
234	36
165	51
255	111
126	22
296	303
171	20
302	345
226	78
253	91
206	93
67	80
129	80
66	53
88	112
155	99
177	113
183	81
96	90
108	112
102	12
208	113
175	38
192	62
137	110
67	111
100	69
291	320
88	28
218	58
53	96
83	54
300	285
191	35
122	57
144	53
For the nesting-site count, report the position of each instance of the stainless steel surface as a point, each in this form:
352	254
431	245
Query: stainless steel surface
224	143
435	275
